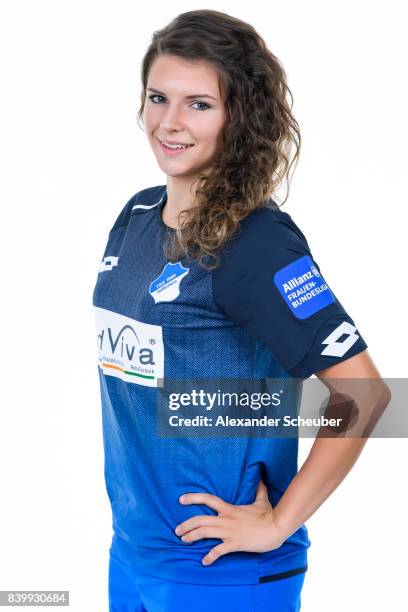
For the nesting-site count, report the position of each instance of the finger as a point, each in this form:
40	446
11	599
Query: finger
207	520
203	532
216	552
212	501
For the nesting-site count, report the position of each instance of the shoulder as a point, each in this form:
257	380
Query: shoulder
141	202
268	236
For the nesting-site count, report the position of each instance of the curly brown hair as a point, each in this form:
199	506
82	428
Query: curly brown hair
258	137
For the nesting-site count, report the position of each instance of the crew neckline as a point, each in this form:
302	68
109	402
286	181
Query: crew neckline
160	207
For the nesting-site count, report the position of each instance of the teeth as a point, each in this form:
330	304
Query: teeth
177	146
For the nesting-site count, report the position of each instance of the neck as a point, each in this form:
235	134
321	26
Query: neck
180	196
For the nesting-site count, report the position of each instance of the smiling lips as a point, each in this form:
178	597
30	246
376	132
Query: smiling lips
173	148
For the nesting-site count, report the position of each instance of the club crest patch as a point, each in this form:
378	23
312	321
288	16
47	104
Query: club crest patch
303	288
166	287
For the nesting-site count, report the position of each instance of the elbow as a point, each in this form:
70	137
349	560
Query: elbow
382	398
385	396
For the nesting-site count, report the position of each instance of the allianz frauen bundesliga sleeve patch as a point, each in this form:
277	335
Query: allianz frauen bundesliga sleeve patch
303	288
270	284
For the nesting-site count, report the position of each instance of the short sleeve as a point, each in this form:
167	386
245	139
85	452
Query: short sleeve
269	283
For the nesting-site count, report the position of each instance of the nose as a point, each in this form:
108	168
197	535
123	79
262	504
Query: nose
171	119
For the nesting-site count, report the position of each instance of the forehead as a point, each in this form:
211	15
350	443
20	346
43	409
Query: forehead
180	76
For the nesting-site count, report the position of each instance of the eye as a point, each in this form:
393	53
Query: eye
205	104
155	96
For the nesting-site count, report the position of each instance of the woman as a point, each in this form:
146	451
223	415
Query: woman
205	277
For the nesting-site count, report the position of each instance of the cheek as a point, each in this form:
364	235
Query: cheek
213	135
205	132
150	117
215	126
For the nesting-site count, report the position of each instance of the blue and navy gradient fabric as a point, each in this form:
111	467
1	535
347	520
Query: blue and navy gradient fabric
232	322
134	591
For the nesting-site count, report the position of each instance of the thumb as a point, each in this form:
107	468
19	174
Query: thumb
261	492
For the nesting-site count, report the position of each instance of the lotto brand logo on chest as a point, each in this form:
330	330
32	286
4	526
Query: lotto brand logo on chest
129	349
108	263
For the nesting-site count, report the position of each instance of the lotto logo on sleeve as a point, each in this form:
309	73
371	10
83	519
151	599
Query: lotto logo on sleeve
303	288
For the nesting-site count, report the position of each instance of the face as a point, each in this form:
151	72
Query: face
184	105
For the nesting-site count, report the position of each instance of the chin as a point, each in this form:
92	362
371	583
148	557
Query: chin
179	174
171	170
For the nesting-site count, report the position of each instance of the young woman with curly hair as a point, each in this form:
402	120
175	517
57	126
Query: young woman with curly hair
207	278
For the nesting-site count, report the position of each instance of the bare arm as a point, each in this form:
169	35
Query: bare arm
331	458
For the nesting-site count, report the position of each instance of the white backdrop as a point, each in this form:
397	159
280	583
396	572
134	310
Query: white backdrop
72	155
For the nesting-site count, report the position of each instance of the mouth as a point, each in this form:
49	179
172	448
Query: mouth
174	149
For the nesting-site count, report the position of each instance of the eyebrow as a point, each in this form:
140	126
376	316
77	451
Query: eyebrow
187	97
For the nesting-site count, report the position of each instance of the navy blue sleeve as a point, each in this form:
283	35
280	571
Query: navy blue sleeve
269	284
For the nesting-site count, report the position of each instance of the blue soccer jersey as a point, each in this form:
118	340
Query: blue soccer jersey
265	312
